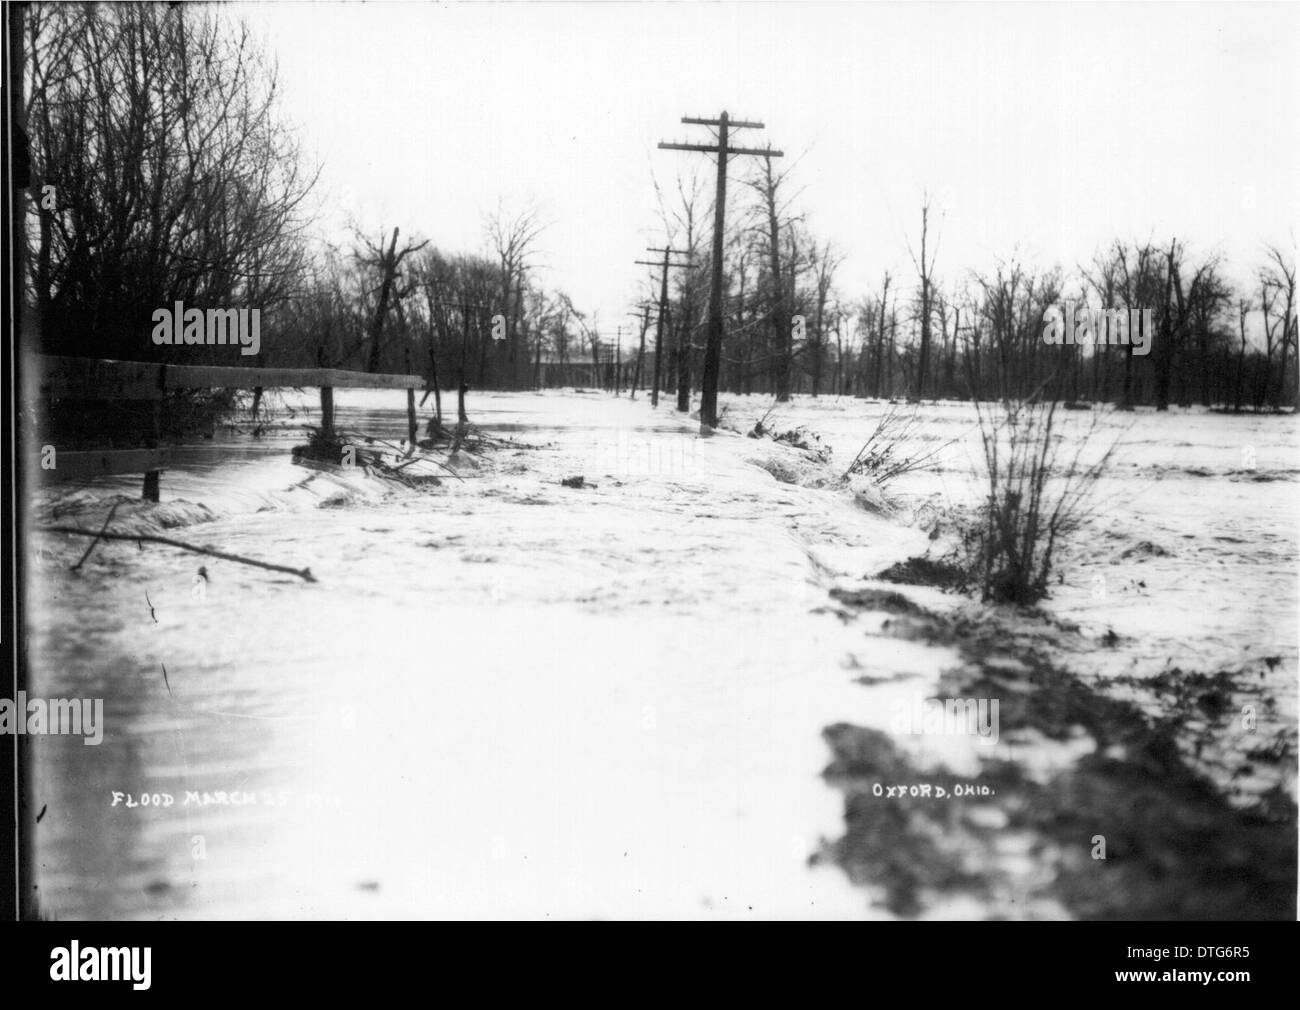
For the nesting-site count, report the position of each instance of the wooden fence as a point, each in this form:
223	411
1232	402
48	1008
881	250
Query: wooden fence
102	379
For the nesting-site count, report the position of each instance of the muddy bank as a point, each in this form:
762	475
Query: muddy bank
1093	809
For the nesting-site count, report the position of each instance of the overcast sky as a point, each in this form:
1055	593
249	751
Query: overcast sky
1050	128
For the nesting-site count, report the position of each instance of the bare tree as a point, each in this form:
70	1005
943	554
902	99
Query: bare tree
768	185
1103	278
1244	309
882	315
682	228
170	174
824	262
513	236
1278	280
386	263
1208	328
1140	279
925	269
1176	311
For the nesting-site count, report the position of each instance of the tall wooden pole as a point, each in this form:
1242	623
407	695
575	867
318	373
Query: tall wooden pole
663	308
618	361
659	332
713	337
713	346
640	351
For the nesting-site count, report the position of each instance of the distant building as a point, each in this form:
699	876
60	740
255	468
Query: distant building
579	369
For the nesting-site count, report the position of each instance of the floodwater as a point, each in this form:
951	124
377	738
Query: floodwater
1188	548
507	697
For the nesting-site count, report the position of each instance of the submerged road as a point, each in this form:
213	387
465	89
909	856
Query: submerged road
504	697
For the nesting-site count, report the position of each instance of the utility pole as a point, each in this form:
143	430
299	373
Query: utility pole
618	361
663	306
644	316
722	150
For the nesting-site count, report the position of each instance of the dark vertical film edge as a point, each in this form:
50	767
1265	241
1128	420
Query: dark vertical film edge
18	877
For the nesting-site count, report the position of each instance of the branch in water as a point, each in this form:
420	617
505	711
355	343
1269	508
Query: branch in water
304	573
97	538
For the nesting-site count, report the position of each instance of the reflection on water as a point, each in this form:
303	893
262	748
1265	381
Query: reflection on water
509	697
491	703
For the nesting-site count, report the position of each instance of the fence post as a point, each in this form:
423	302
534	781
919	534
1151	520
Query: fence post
150	492
327	413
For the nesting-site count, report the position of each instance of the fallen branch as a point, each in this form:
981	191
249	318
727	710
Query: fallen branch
142	538
393	468
97	538
758	431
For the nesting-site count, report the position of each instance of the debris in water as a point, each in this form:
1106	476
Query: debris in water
304	574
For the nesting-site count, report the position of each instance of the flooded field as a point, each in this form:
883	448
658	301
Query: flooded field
504	696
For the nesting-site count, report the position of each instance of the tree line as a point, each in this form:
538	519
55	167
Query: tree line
791	328
164	171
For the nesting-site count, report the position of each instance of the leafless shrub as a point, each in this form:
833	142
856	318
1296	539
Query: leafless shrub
1036	494
888	452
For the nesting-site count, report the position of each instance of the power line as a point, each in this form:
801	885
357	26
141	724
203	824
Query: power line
723	150
668	252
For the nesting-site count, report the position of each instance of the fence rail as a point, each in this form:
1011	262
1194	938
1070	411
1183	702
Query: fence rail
104	379
65	378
